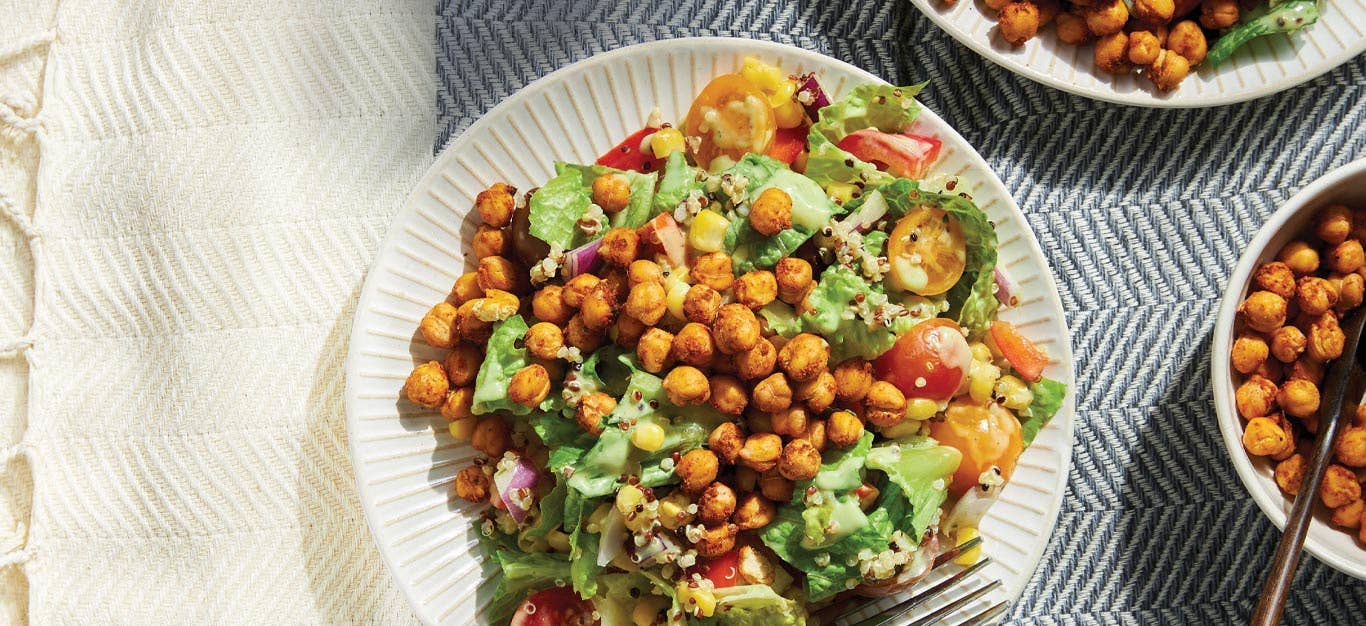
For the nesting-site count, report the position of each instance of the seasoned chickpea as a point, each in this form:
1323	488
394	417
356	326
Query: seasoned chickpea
1349	515
1299	398
686	385
756	362
771	212
628	331
1289	430
655	350
529	386
593	408
815	433
1071	28
462	364
800	460
579	335
1300	257
716	504
1351	291
774	487
716	540
1018	22
1249	351
1346	257
737	329
1154	11
844	428
1275	277
1217	14
791	422
1315	296
544	340
466	288
1340	487
438	326
713	270
458	404
794	278
1106	17
548	305
492	436
1111	53
1287	344
804	356
726	440
620	246
496	204
1290	473
1168	70
1305	368
644	271
696	470
612	192
1351	447
646	302
472	484
599	308
761	451
772	394
490	241
755	289
818	393
1188	40
1143	47
1263	437
1263	311
694	346
1333	224
1256	397
1271	370
853	377
1326	339
754	511
468	325
886	405
728	395
701	304
496	272
577	289
1048	9
427	385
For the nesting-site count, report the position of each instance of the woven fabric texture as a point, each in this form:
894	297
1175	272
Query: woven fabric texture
1141	213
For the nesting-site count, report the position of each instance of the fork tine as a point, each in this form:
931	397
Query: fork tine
942	611
833	612
986	616
921	597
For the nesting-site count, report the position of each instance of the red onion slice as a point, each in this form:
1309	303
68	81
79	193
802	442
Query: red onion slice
818	98
582	259
515	484
1005	290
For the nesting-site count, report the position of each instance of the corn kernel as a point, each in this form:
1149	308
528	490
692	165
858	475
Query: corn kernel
981	352
628	498
764	76
558	541
648	436
982	377
782	93
673	510
921	409
462	429
678	291
708	231
789	114
968	557
647	609
840	193
666	141
1016	395
696	601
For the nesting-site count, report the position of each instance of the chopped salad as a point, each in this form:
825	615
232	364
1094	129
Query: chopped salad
736	368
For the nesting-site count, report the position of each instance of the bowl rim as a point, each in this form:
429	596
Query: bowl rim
1272	502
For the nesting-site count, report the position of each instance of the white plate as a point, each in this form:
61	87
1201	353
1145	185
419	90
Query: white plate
1267	65
404	459
1334	546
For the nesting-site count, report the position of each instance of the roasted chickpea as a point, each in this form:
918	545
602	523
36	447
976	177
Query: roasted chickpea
1143	47
1072	28
754	511
544	340
1340	487
696	470
490	241
1333	224
628	331
726	440
427	385
458	404
592	409
804	357
853	377
756	362
548	305
686	385
599	308
1349	515
1287	344
1306	369
1217	14
1326	339
1351	290
1290	473
791	422
701	304
466	288
815	433
612	192
1154	11
1289	430
1299	398
818	393
1315	296
772	394
1018	22
774	487
761	451
1263	437
800	460
620	246
1264	311
737	329
1275	277
577	289
771	212
1346	257
644	271
1106	17
472	484
793	276
1249	351
1351	447
716	540
646	302
496	204
495	272
713	270
694	346
716	504
655	350
462	364
529	386
1048	9
579	335
468	325
1256	397
844	428
728	395
1188	40
755	289
1300	257
1111	53
1168	70
1271	370
492	436
886	405
438	326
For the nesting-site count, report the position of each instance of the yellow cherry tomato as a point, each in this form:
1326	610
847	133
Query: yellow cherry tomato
732	117
926	251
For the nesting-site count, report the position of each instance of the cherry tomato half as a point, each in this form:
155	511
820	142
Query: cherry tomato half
927	361
553	607
1019	351
628	155
927	251
903	156
788	144
732	116
724	570
986	435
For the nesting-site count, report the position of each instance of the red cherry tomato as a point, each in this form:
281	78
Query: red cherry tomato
903	156
1023	355
986	435
788	144
928	361
723	571
553	607
628	154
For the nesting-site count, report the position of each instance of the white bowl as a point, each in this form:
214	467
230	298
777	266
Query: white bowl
1334	546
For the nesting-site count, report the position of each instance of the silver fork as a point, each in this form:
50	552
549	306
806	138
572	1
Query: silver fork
970	590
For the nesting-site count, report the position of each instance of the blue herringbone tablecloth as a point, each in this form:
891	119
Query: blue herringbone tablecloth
1141	212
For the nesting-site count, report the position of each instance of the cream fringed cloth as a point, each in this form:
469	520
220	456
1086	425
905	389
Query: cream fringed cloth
190	195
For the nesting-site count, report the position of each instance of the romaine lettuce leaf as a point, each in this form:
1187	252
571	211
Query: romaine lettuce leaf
842	468
502	359
811	210
551	507
679	180
827	303
884	107
920	467
523	573
827	568
754	605
557	205
1048	397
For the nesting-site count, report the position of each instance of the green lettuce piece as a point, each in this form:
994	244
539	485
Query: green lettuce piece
811	210
551	507
750	250
556	207
1048	398
826	567
598	471
781	318
754	605
583	558
679	180
523	573
921	468
886	108
618	595
827	302
842	469
502	359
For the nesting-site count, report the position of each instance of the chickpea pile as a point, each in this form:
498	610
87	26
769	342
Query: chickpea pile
1164	39
1287	334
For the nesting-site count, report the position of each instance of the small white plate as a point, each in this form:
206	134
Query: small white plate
1268	65
1334	546
404	459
